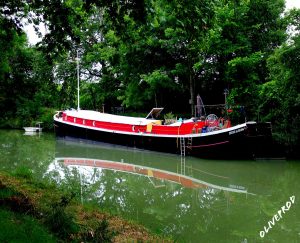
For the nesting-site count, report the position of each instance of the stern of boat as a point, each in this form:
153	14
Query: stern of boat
259	136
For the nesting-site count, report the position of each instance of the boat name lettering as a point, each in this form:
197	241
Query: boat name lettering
236	131
237	187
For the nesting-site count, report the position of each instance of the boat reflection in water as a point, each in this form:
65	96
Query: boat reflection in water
182	179
187	198
141	162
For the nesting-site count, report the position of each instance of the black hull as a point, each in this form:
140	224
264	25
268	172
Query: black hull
246	144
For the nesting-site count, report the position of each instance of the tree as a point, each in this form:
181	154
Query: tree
185	25
280	96
245	34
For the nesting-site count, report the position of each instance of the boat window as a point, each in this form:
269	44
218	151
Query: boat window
154	113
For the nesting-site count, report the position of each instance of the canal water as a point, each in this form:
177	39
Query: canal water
189	199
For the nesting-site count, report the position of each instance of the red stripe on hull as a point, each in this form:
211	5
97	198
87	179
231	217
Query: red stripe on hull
209	145
183	129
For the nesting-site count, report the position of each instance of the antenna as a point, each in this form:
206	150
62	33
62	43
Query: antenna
78	98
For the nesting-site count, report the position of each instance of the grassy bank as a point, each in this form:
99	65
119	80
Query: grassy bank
35	212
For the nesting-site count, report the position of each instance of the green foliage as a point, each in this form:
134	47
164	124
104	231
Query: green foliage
7	193
46	117
27	86
169	115
280	99
23	172
142	54
169	118
59	220
101	234
245	79
243	36
24	228
42	209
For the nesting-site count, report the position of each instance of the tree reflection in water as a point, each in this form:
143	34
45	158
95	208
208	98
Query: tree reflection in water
162	205
213	201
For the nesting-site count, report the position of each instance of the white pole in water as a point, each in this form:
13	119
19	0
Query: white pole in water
77	59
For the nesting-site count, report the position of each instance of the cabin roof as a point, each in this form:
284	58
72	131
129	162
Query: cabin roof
98	116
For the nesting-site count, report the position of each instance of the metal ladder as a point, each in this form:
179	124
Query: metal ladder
182	146
182	155
182	165
190	142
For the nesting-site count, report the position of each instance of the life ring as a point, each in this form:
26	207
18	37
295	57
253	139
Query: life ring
211	120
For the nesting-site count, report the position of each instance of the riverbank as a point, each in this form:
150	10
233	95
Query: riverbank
35	210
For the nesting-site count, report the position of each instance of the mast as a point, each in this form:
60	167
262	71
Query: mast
77	60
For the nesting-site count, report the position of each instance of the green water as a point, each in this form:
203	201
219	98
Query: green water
191	199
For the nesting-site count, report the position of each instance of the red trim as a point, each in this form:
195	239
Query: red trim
181	179
208	145
183	129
